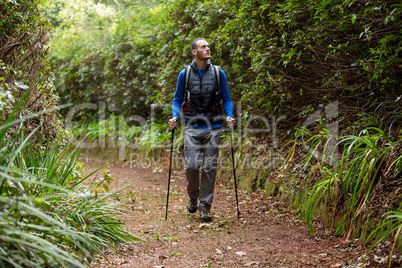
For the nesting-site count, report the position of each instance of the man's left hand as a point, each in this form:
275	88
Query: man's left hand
230	121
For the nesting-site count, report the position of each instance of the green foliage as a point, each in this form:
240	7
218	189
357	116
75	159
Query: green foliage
365	158
101	51
279	57
23	61
393	225
117	130
50	213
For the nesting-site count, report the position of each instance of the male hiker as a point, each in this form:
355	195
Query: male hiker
201	90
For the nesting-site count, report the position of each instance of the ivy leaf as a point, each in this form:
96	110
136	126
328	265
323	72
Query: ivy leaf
353	18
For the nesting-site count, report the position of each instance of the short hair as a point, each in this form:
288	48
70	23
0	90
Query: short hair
194	43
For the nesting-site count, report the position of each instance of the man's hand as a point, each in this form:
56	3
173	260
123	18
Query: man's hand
172	123
230	121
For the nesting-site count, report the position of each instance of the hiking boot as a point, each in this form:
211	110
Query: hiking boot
205	215
192	205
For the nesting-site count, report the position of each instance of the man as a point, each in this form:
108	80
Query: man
202	110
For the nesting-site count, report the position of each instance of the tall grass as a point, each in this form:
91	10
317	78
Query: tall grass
393	225
50	214
364	159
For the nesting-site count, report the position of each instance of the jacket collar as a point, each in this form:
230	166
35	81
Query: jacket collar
195	67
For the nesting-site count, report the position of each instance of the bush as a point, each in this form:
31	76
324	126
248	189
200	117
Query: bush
287	58
23	61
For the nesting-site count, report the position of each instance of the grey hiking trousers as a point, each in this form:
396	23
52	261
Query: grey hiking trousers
201	150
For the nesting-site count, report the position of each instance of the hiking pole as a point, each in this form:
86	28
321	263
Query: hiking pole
234	175
170	171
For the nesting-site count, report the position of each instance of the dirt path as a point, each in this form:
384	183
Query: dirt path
269	235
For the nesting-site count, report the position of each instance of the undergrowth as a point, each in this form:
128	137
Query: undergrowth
51	214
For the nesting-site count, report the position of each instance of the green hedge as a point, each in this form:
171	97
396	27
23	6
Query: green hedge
281	58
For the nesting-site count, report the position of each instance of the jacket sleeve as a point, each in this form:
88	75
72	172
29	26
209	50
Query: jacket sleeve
225	95
178	96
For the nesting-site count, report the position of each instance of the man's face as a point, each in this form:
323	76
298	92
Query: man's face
202	51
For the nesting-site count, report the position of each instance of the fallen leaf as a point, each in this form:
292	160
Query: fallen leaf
204	225
240	253
379	259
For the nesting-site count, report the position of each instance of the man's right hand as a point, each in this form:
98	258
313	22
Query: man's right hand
172	123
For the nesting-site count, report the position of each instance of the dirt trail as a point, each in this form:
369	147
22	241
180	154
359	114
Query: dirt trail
269	235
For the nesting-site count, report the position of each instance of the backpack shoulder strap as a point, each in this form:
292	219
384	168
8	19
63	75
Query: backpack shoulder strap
218	75
218	80
187	77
